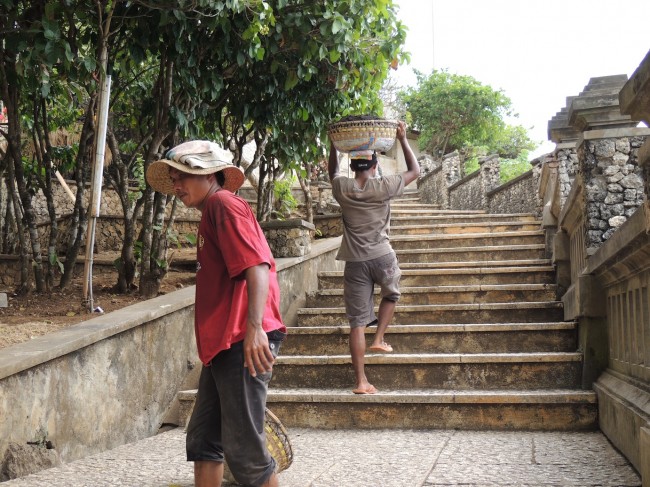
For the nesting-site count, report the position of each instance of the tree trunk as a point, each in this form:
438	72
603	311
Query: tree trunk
22	196
79	218
117	175
42	151
305	185
150	271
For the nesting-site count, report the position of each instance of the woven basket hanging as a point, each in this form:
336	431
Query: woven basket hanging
277	442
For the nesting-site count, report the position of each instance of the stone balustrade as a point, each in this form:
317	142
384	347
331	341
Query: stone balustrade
601	249
442	185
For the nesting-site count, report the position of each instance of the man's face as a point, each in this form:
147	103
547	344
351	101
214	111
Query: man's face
191	189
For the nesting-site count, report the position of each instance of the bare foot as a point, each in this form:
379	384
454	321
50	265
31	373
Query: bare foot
369	389
383	347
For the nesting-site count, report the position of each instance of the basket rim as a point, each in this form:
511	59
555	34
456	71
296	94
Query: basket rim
364	123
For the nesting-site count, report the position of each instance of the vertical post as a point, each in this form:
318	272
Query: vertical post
96	190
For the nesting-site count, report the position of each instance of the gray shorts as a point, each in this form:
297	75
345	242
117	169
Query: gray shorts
359	279
228	417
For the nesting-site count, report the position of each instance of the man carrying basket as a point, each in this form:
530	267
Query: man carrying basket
237	318
365	248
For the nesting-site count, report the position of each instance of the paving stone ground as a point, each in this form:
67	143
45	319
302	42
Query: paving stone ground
374	458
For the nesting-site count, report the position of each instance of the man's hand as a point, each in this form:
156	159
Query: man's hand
412	167
401	131
257	354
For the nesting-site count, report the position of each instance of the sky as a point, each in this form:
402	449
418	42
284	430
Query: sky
537	52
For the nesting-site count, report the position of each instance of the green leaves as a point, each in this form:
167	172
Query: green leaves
456	112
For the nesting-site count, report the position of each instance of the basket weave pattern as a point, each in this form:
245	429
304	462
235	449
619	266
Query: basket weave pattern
360	135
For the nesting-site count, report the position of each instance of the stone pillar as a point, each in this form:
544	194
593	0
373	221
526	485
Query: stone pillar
565	137
607	158
547	190
452	170
634	99
288	238
490	168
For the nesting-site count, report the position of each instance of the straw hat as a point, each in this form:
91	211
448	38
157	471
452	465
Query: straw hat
195	157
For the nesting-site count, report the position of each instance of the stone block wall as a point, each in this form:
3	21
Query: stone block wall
568	165
613	180
466	193
433	189
328	225
289	238
516	196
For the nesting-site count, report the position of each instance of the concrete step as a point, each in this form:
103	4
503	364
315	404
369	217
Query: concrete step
537	410
450	294
414	212
462	228
532	410
458	338
479	253
401	219
522	312
402	242
478	264
410	198
458	273
485	371
411	204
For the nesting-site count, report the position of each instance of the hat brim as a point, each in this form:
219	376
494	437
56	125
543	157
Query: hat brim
158	175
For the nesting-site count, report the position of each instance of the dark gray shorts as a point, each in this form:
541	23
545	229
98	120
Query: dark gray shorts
228	417
359	279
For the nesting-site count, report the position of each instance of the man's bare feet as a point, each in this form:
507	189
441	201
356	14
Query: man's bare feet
383	347
369	389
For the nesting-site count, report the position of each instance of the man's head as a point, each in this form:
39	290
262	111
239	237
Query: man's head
359	164
195	158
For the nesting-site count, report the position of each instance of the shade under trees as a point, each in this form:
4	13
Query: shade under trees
273	72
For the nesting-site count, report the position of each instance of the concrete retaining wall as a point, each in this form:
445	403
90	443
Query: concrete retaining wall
113	379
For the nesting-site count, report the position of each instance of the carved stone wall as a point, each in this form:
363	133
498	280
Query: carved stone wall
288	238
613	180
567	159
517	195
466	193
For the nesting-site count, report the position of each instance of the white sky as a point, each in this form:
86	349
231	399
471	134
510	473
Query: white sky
537	51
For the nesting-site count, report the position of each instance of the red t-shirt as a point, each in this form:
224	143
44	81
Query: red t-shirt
229	241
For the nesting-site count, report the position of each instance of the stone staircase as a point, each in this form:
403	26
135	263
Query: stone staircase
479	337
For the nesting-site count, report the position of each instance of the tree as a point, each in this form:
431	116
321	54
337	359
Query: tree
39	54
456	112
275	72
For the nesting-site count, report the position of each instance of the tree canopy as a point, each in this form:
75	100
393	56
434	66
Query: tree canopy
276	72
457	112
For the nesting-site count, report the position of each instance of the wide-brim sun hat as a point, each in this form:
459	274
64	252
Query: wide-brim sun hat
199	157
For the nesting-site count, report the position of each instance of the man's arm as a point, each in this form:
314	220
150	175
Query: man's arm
412	167
257	355
333	162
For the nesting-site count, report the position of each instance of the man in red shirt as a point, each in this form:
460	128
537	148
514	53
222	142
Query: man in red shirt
237	321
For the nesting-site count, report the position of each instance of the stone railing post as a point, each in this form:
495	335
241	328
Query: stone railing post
547	191
452	170
490	168
635	101
607	158
288	238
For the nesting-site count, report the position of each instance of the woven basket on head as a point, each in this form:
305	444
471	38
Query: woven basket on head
357	135
277	442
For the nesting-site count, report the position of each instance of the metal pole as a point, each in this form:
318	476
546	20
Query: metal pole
96	192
